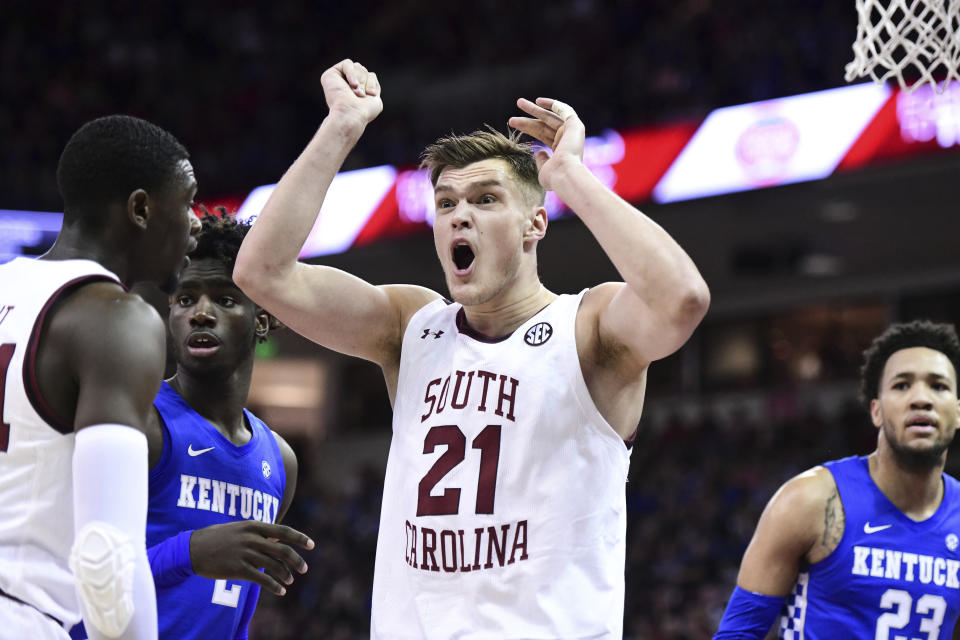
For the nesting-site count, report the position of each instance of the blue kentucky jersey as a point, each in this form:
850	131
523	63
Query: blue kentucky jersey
889	578
203	479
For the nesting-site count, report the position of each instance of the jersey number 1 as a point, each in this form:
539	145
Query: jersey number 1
450	435
6	355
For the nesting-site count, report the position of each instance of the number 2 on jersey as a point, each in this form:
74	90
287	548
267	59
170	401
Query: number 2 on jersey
226	597
6	355
450	435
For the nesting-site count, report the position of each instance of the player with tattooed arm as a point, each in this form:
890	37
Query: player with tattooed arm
868	547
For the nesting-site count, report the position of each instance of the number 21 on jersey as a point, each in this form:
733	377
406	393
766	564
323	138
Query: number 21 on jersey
450	435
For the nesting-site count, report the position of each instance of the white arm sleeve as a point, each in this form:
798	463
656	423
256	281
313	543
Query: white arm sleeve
109	557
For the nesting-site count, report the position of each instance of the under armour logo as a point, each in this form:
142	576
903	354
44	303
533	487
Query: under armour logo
435	334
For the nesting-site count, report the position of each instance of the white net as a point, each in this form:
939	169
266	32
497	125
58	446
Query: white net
916	42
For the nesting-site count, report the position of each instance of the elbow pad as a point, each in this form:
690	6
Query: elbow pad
110	514
102	561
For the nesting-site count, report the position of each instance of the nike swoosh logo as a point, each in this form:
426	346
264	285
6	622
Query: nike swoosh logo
196	452
880	527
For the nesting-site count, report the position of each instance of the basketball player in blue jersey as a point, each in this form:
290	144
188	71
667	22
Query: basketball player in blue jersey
868	547
219	478
504	509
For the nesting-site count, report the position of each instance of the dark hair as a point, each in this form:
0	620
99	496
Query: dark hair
109	158
220	237
940	337
459	151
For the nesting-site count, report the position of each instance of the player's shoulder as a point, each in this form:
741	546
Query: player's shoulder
110	304
285	449
599	296
287	454
805	493
105	320
409	298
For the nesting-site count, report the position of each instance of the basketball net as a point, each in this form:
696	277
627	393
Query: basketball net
919	39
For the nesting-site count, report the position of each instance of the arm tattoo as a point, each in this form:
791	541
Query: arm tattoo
833	521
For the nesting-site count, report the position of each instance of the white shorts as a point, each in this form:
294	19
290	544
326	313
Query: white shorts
23	621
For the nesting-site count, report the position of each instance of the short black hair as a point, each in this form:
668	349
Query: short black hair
220	236
110	157
940	337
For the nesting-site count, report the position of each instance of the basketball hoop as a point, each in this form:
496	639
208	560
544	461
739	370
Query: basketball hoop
915	41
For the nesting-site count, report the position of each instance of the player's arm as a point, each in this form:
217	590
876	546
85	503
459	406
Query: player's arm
664	297
332	308
290	469
802	523
115	350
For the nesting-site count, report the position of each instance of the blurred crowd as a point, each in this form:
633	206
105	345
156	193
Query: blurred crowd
239	84
695	492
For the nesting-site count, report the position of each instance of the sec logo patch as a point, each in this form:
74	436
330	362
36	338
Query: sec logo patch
538	334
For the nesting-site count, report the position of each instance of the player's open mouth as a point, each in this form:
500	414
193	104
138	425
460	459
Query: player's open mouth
463	256
922	423
202	344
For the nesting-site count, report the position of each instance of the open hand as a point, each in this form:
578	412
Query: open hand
352	92
556	125
238	550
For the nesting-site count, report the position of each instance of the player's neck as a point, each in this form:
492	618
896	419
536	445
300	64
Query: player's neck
501	317
73	244
218	398
917	492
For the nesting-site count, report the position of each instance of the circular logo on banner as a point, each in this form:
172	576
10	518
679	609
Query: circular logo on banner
538	334
766	148
266	469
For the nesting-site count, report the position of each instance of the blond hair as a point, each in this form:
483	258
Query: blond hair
458	151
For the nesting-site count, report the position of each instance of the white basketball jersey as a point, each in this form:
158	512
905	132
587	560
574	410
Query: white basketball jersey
36	448
504	512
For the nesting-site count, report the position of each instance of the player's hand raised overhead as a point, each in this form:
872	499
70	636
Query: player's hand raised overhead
352	92
556	125
238	550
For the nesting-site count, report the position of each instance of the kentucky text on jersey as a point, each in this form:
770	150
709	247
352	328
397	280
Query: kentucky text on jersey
909	567
506	395
221	497
464	551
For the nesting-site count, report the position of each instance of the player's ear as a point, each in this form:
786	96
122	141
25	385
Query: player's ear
264	324
261	323
536	225
138	211
876	416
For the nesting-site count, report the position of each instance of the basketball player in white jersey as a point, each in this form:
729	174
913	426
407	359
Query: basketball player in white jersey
81	359
503	513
